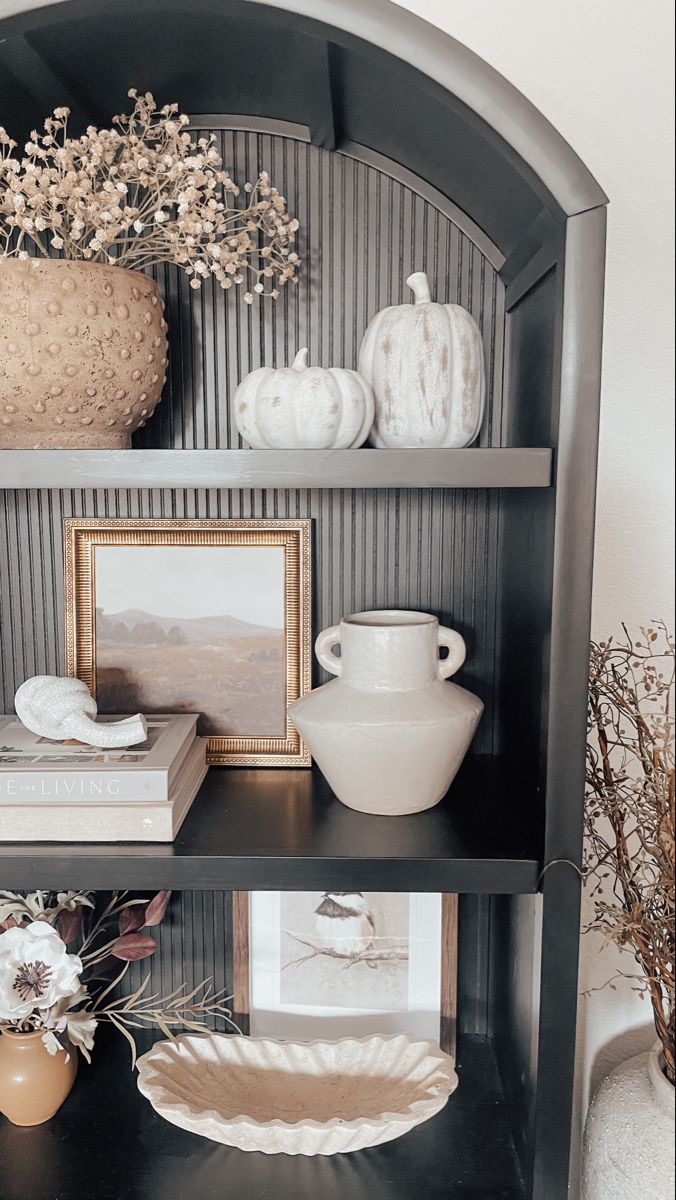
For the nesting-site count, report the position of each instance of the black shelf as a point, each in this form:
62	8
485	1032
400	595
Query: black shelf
473	467
284	829
108	1143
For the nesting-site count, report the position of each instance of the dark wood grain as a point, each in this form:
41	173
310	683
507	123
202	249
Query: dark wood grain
241	999
448	1032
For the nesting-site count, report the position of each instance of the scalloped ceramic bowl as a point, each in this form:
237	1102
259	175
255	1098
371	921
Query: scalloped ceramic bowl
296	1097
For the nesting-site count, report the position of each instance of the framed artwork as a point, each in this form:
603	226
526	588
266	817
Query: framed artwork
336	964
195	616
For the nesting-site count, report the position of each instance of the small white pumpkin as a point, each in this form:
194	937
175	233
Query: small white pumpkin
303	407
425	363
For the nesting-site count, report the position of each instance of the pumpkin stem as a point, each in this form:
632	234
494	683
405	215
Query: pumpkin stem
300	362
420	287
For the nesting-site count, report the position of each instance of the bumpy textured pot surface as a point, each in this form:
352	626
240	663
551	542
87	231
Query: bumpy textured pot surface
389	734
33	1083
629	1135
83	354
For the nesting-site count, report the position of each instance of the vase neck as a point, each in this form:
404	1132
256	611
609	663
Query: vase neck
389	650
663	1090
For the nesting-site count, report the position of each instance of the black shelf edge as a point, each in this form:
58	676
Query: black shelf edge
108	1142
473	467
264	829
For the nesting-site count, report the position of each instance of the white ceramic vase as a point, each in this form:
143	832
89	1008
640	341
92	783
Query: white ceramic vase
389	733
629	1134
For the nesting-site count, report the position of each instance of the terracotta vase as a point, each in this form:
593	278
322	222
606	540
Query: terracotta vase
629	1134
83	354
389	734
33	1083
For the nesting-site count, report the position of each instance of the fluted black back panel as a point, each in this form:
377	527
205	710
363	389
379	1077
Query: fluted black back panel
434	550
361	234
194	944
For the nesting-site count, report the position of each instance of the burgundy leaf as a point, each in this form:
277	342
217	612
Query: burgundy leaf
157	908
108	967
134	946
132	918
70	925
10	923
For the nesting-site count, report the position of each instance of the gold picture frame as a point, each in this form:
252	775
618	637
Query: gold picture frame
84	536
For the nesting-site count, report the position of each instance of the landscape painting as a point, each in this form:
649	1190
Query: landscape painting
182	615
181	628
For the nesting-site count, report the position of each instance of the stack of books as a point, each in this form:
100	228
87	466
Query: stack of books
69	792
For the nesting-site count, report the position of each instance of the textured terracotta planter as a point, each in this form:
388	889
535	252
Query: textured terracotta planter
83	354
33	1083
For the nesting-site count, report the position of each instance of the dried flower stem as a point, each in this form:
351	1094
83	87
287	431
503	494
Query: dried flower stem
141	194
630	811
180	1009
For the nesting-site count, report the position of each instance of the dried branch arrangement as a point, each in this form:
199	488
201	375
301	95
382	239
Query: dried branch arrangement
140	194
45	987
629	821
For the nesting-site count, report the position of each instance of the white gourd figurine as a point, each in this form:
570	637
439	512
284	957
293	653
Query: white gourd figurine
62	708
303	407
425	363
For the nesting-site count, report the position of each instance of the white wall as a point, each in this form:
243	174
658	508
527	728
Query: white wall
602	73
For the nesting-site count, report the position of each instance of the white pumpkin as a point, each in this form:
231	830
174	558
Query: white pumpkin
425	363
303	407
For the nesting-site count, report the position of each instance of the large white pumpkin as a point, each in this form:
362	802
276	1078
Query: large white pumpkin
425	363
303	407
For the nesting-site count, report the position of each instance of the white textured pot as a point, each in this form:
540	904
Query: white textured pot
389	733
629	1134
425	363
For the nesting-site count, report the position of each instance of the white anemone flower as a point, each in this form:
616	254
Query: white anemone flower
36	970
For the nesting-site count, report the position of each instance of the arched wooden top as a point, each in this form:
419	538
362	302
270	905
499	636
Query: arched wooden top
363	72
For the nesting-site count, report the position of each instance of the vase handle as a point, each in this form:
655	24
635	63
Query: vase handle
456	652
323	650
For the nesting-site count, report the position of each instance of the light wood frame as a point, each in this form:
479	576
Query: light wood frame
448	1000
82	536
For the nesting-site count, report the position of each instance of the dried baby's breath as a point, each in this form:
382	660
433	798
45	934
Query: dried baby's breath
143	193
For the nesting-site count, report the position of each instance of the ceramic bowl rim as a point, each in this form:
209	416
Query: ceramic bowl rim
149	1078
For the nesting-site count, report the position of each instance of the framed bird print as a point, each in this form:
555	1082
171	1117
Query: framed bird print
336	964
